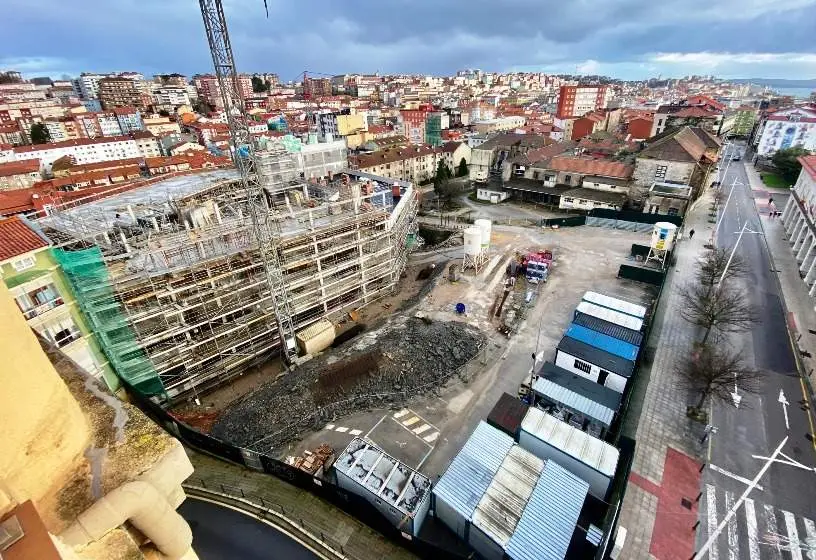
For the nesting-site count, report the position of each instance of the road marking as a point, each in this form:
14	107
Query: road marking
411	421
329	426
810	531
431	438
401	413
374	427
733	539
356	432
751	522
793	535
736	477
341	429
711	512
773	530
422	428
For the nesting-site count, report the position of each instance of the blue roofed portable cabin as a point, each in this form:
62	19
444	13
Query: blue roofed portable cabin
597	357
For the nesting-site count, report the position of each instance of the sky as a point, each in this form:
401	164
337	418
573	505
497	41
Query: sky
627	39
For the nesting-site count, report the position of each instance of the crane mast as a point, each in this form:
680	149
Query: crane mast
264	225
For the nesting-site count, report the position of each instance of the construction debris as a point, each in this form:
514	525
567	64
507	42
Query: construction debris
383	368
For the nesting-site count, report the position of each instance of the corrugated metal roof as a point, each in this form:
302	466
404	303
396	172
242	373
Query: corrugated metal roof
473	468
603	341
545	529
589	450
608	328
615	317
574	401
616	304
604	396
504	501
596	356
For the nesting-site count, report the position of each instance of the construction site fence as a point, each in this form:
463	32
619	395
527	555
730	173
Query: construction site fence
353	504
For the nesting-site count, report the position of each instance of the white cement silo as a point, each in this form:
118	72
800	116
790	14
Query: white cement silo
662	242
473	256
486	228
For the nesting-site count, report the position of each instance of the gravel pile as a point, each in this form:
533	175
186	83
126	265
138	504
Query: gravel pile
381	368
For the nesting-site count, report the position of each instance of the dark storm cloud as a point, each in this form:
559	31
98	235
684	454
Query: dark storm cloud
427	36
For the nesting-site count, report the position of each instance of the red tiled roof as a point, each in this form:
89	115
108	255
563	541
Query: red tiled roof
72	143
693	112
450	147
809	165
586	166
19	167
103	165
16	238
124	110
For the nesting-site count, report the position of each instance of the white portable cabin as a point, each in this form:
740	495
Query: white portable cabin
615	317
616	304
585	456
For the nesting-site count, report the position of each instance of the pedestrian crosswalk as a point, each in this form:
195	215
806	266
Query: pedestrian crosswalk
415	424
757	531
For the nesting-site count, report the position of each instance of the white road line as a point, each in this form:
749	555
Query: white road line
711	512
773	530
736	477
356	432
341	429
401	413
431	438
411	421
733	538
793	535
329	426
751	522
422	428
810	531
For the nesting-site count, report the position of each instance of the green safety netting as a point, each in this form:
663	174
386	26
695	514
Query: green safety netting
90	282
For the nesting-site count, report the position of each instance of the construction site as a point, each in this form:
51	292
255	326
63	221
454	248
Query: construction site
191	281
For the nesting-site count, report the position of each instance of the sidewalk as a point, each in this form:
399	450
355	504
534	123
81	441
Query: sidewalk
667	463
798	303
357	539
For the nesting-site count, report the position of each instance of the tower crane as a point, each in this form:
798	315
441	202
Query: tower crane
266	229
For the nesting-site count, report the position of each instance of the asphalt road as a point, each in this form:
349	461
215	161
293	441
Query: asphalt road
221	533
782	509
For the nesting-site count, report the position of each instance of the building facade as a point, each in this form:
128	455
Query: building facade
122	92
19	174
798	218
575	101
786	128
88	150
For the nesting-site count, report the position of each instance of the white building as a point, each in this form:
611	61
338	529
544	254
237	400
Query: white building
86	150
787	128
87	85
109	124
171	96
798	219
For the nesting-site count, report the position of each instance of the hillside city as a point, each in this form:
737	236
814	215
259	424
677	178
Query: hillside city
496	315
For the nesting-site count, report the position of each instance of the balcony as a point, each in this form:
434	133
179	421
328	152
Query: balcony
64	338
43	308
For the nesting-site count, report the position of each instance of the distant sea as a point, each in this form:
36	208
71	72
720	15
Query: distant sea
795	92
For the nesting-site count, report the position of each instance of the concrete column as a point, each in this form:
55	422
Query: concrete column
798	224
789	210
788	222
810	277
806	262
807	243
798	234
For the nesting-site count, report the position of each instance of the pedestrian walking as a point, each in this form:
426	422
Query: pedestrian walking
691	234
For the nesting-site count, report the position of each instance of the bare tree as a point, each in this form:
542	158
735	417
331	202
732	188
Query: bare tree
715	261
716	307
712	371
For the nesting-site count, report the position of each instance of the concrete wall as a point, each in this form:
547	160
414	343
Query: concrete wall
645	169
44	430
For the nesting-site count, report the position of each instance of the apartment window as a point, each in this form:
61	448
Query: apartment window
568	179
582	366
660	172
568	199
24	263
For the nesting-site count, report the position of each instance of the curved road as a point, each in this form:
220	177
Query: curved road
221	533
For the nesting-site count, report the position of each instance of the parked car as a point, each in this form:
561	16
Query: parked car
736	158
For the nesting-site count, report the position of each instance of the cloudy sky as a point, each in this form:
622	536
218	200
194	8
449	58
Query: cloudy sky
628	39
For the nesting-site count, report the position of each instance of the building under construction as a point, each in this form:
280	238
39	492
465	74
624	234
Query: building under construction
173	281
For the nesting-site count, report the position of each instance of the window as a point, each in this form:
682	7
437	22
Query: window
582	366
24	263
673	212
535	175
568	199
660	171
568	179
602	376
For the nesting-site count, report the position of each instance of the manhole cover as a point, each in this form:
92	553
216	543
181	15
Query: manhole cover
686	503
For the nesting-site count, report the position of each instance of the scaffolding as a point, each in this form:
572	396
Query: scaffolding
172	278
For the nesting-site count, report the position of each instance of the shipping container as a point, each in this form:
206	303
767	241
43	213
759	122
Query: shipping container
616	304
615	317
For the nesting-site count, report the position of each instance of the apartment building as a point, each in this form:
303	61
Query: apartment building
146	143
129	118
87	85
208	90
86	150
19	174
170	97
39	289
575	101
122	92
415	163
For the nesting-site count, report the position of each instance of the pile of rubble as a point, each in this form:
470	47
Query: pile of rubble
382	368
